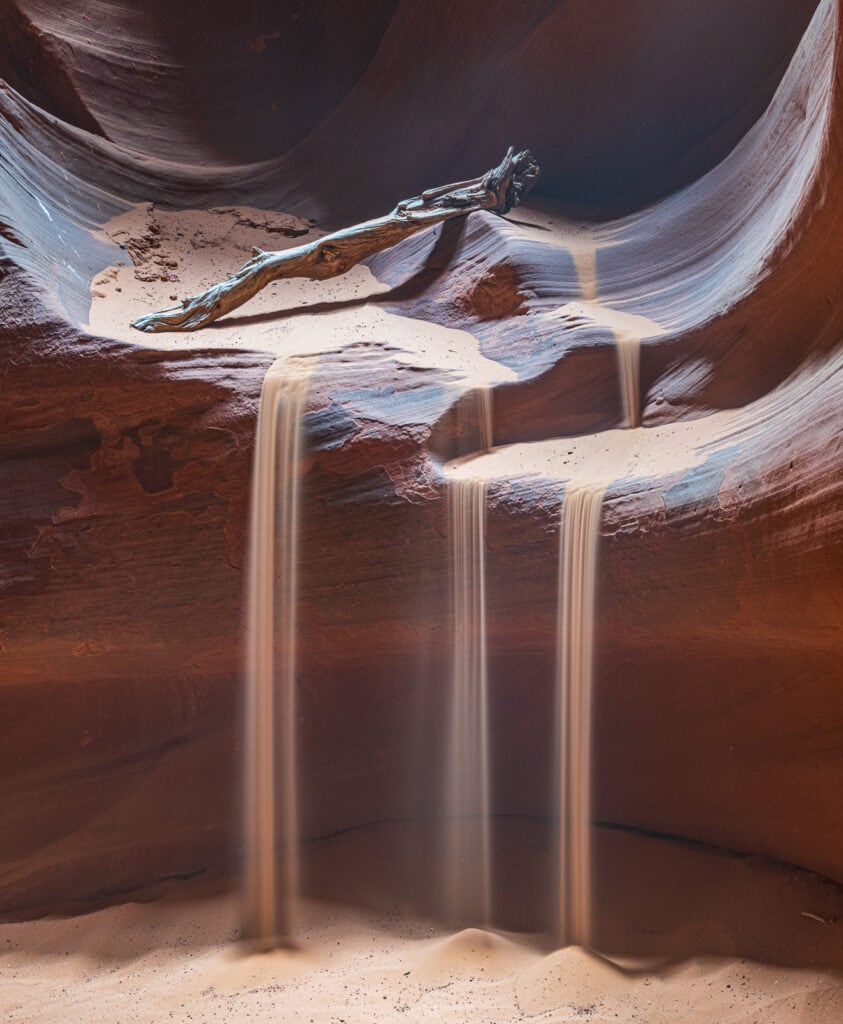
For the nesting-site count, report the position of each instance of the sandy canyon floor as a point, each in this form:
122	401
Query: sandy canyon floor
173	953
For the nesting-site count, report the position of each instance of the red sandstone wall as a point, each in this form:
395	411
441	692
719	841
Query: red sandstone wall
719	707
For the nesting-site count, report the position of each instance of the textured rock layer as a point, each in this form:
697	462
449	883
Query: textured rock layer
126	469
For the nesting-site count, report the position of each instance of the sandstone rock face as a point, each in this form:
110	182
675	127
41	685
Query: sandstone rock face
126	468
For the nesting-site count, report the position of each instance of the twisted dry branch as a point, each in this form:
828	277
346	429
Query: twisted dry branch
498	191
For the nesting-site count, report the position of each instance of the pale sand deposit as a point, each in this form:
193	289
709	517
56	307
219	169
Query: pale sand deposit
650	453
176	958
181	253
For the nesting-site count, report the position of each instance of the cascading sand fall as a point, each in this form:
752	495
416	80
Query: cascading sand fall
578	544
467	791
579	530
271	796
627	328
629	375
467	861
482	398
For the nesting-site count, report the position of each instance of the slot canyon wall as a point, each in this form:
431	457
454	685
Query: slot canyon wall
698	151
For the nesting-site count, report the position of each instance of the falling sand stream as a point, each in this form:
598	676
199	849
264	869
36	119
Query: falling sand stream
467	854
628	329
271	796
467	799
271	799
629	375
577	561
467	859
579	531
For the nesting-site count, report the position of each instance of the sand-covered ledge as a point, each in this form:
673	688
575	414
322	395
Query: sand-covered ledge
173	254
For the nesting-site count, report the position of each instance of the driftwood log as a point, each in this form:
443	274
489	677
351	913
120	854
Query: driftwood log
498	191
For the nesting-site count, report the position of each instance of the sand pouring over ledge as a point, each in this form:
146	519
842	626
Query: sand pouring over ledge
271	790
466	798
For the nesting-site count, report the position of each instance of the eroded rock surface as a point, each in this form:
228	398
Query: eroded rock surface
127	466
